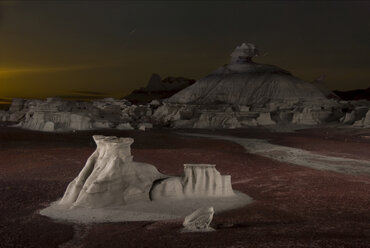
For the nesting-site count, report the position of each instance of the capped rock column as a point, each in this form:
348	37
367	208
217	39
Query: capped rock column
110	177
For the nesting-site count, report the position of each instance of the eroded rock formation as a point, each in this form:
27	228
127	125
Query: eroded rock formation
199	180
110	177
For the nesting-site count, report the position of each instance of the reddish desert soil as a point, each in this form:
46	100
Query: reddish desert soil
293	206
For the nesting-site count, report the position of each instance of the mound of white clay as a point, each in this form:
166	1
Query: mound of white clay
112	187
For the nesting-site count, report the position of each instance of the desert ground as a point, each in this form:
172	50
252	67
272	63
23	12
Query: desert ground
294	205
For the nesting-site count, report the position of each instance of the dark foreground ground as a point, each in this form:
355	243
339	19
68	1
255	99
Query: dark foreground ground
294	206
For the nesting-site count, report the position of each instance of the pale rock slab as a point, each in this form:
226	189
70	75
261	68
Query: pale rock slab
199	181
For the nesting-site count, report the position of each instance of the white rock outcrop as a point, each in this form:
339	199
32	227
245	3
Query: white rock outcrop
110	177
112	187
199	181
199	220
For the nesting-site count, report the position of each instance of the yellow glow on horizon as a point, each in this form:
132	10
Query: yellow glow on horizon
21	70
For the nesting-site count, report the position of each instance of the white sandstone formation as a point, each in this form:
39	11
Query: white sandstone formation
199	181
56	114
50	121
199	220
112	187
110	177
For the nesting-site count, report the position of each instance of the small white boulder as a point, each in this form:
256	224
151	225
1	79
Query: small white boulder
199	220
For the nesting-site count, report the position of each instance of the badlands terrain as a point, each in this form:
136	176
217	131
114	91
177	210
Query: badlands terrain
310	187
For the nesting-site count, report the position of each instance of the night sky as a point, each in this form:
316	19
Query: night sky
95	49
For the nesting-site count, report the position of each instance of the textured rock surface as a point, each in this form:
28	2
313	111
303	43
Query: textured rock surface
199	220
113	188
244	82
199	180
110	177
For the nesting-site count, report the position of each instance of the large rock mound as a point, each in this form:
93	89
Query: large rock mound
244	82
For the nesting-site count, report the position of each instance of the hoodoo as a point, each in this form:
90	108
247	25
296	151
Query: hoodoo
110	177
113	187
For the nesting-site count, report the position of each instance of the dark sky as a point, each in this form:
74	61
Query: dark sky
68	48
